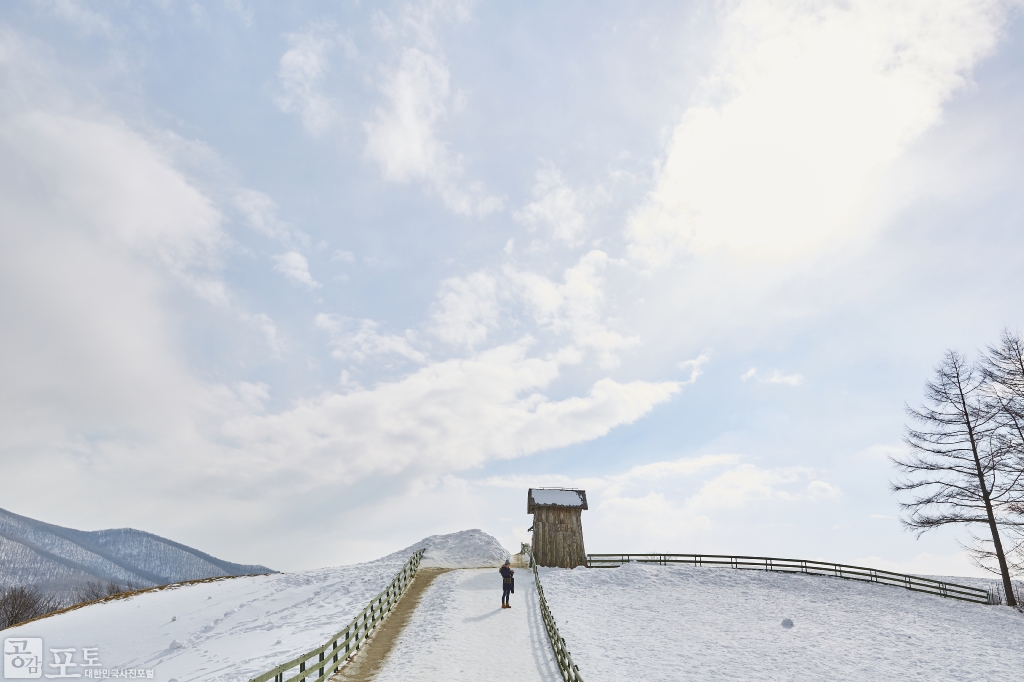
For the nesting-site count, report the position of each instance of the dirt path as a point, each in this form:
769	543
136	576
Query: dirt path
367	662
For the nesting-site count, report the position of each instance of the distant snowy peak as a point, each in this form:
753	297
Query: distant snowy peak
61	559
465	549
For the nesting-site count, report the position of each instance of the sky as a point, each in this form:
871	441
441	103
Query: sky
301	283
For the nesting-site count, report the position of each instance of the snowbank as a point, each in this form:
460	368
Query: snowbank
465	549
675	622
237	628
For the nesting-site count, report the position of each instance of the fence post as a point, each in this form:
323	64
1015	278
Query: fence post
859	573
354	633
568	670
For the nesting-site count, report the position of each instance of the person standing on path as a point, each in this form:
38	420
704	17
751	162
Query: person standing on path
506	583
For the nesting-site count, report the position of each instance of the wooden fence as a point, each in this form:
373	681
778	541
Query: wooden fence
570	671
872	575
324	661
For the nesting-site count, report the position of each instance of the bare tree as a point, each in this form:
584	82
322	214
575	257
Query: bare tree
18	604
1003	366
959	468
93	590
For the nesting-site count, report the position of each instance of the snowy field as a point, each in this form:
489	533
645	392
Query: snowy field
460	633
238	628
232	629
635	622
681	623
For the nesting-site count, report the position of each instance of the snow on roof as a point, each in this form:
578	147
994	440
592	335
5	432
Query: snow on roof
558	497
566	498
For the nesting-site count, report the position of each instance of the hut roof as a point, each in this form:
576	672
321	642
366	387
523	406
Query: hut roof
555	497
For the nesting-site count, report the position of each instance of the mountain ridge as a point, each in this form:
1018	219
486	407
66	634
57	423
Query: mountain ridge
62	560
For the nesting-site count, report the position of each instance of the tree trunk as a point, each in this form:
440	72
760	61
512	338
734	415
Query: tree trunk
1004	569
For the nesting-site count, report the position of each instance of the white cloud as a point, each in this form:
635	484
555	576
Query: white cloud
343	256
403	137
775	377
747	484
466	310
260	212
253	394
122	189
263	323
555	207
739	485
244	12
364	342
92	249
78	14
695	366
808	103
94	366
640	477
669	505
294	266
446	416
301	73
574	306
656	474
822	490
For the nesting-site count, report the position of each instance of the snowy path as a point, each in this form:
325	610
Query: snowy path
459	632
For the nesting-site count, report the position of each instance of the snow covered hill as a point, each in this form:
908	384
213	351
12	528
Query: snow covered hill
647	622
59	559
237	628
634	622
465	549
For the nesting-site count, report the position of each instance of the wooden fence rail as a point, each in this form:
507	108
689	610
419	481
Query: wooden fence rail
570	671
324	661
911	582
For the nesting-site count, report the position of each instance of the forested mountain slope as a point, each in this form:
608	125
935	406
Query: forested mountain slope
60	560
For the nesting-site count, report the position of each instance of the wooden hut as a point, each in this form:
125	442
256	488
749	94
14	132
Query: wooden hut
557	528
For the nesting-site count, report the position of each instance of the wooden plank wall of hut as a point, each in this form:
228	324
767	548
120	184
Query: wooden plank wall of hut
558	537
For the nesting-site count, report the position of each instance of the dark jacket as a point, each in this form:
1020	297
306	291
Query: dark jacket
506	574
